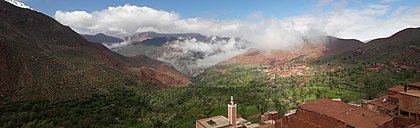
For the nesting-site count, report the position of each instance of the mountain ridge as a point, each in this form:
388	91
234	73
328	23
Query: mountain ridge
401	47
309	49
43	59
102	38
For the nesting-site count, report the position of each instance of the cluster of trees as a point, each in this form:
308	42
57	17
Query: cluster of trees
136	104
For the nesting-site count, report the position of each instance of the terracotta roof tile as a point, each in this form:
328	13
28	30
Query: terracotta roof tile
387	105
416	84
352	115
396	89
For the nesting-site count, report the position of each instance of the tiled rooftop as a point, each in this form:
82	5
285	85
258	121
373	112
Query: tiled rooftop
349	114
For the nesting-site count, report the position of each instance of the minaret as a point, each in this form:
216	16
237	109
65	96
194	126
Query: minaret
232	112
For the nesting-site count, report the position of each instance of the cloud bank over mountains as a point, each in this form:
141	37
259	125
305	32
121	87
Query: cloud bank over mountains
213	52
372	21
327	18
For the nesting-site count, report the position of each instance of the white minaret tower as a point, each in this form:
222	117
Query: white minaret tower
232	112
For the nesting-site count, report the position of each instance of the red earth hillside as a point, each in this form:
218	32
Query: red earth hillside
43	59
162	76
310	50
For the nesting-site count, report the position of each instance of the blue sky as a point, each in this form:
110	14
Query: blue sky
267	21
266	24
217	9
224	9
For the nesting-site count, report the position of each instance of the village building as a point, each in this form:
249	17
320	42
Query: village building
267	120
400	107
327	113
270	117
402	102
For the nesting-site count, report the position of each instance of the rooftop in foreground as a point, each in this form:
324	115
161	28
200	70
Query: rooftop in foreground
400	89
415	93
417	84
396	89
349	114
215	121
380	102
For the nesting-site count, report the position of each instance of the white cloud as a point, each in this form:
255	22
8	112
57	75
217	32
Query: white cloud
373	21
212	53
126	19
257	15
388	1
116	45
77	19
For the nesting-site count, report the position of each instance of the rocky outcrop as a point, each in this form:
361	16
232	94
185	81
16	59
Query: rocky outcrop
163	77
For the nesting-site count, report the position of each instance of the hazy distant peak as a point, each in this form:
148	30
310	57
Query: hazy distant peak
19	4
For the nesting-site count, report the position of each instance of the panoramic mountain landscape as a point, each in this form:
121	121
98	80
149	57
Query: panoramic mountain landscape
131	65
187	52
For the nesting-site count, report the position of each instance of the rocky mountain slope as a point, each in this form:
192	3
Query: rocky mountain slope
309	50
153	38
102	38
187	52
42	59
19	4
401	51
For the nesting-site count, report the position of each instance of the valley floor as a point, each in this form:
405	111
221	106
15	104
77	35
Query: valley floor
256	89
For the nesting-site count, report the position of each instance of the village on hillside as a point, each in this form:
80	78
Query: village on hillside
399	108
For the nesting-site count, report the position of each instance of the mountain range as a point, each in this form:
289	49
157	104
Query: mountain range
182	50
160	46
40	58
312	50
153	38
43	59
51	76
102	38
402	49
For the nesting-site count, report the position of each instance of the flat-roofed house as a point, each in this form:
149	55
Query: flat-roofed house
232	121
399	101
326	113
221	121
212	122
